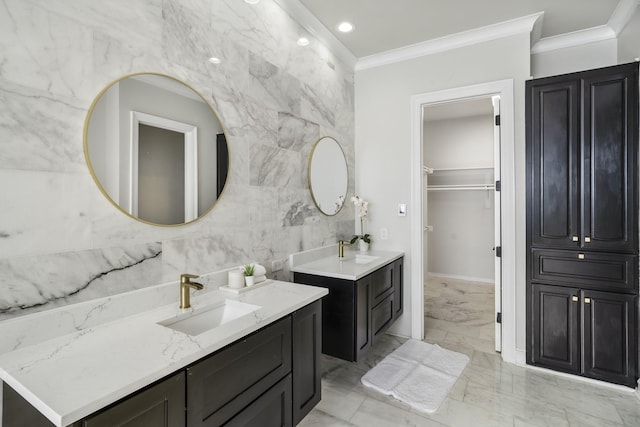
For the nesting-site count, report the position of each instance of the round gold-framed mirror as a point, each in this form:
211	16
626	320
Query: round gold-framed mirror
156	149
328	175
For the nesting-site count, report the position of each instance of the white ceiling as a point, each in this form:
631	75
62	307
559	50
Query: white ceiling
382	25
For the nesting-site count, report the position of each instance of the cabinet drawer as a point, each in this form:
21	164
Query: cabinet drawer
587	269
382	284
272	409
382	316
222	385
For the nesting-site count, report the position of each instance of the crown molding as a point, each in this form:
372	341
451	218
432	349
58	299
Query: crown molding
575	38
618	20
622	14
524	24
310	23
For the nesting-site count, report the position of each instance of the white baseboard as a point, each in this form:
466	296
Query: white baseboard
457	277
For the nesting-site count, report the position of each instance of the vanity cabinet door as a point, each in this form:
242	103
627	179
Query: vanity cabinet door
398	276
161	405
222	385
363	316
307	346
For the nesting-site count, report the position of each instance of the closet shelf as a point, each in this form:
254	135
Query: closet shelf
453	187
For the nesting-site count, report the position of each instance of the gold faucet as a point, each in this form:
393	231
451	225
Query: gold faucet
341	245
185	284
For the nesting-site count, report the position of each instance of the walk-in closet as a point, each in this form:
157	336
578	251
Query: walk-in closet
460	144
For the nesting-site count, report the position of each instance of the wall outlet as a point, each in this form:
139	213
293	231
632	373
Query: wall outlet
384	234
277	265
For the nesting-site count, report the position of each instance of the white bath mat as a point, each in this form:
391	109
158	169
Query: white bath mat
417	373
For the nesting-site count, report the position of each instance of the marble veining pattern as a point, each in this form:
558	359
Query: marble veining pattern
85	274
274	99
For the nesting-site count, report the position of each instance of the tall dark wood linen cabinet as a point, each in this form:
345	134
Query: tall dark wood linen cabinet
582	223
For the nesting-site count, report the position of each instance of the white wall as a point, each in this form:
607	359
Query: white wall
576	58
383	140
629	40
461	243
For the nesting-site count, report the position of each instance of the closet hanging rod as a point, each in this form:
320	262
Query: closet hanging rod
463	169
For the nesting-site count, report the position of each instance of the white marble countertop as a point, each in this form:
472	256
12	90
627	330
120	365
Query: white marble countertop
349	267
73	375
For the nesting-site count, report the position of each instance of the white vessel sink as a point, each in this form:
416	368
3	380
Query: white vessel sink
365	259
209	317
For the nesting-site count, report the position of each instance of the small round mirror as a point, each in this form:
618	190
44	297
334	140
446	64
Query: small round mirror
156	149
328	178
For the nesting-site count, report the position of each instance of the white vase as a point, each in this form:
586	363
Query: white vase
363	246
250	280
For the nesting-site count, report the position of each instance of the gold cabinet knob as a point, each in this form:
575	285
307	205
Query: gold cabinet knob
575	238
575	298
580	256
587	239
587	300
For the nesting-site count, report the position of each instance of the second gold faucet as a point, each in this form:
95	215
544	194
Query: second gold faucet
341	245
185	292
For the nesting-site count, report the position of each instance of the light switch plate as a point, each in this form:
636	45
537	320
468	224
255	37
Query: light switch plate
402	209
384	234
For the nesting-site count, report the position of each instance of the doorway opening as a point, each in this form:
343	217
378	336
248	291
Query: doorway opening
461	209
508	326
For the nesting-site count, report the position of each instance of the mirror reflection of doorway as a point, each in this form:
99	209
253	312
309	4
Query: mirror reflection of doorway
160	175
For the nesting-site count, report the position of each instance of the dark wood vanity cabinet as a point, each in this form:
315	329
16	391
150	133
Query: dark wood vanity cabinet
582	223
268	378
161	405
222	385
356	313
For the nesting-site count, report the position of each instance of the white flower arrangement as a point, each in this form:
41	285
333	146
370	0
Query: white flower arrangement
363	205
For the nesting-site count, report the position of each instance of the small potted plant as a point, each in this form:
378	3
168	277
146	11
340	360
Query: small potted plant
249	279
363	239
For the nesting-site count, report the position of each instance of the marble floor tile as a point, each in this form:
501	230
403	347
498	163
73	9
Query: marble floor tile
489	392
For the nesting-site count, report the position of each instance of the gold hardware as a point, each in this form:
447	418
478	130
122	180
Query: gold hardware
341	245
575	298
575	238
580	256
587	300
587	239
185	284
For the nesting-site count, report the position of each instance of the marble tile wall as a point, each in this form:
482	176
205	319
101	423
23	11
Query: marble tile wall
61	241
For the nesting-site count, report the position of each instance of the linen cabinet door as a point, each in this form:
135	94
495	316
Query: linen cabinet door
609	341
610	99
555	331
552	163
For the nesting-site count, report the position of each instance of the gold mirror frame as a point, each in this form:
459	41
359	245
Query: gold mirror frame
97	180
319	199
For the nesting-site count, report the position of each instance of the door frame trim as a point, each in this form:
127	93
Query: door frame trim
503	88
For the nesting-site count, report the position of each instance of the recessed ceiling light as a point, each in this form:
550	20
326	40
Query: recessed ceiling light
252	1
214	60
345	27
303	41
